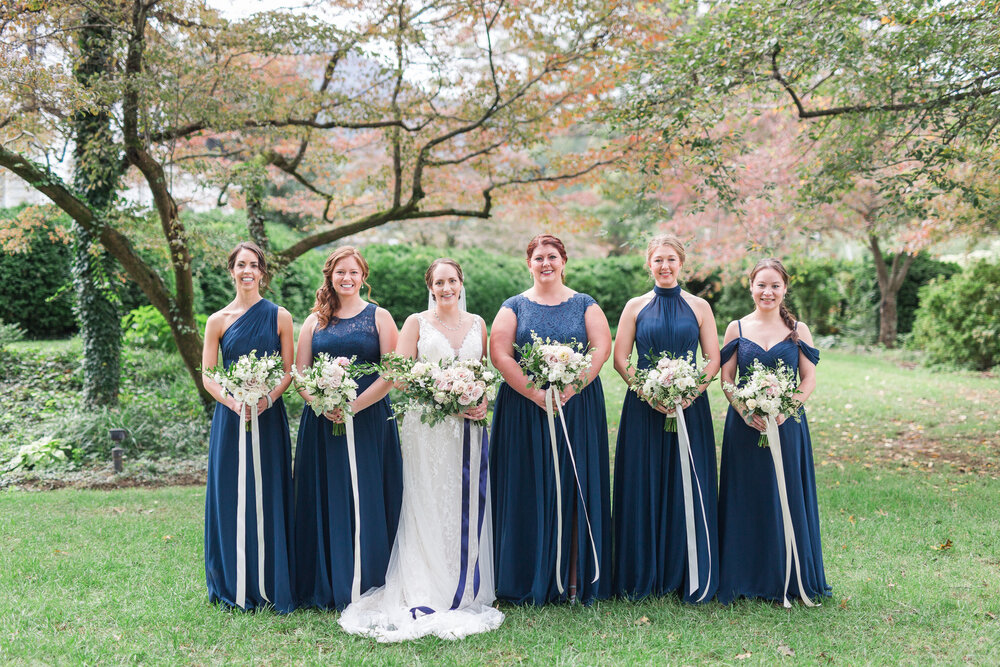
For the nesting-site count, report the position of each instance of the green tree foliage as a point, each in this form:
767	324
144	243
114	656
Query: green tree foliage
959	318
377	111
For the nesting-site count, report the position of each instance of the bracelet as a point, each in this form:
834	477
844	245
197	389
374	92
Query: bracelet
269	401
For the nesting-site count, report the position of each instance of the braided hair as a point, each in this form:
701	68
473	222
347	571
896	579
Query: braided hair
786	315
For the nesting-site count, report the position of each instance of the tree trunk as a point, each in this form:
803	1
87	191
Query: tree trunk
96	177
890	280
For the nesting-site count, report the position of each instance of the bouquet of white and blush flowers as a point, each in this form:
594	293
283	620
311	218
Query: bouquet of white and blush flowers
330	381
440	389
669	381
767	392
249	378
559	365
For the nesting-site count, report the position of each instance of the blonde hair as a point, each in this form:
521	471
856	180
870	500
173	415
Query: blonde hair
667	240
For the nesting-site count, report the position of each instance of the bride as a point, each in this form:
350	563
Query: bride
440	577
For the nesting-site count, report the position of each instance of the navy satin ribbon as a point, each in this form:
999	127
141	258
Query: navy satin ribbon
466	493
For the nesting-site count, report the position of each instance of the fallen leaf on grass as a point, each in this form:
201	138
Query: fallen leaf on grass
743	656
991	615
643	621
944	546
786	651
117	510
851	519
168	537
843	603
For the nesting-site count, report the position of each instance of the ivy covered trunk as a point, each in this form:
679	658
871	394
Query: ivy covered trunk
96	175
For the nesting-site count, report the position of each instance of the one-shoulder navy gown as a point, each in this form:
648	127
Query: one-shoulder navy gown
523	480
256	329
324	502
650	536
751	534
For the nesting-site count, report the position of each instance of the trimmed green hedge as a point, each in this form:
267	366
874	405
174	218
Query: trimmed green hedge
958	321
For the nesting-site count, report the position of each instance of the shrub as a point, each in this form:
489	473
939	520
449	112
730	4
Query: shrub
145	327
958	321
36	291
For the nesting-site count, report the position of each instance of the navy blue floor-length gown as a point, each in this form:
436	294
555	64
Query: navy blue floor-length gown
650	536
751	534
523	480
256	329
324	503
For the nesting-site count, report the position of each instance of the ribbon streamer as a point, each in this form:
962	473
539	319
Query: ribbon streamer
241	507
353	464
551	396
791	549
686	457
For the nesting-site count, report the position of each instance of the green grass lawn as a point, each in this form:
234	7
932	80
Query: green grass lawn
907	474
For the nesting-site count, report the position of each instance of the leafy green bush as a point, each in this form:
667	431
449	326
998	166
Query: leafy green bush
36	290
958	321
10	333
41	453
145	327
612	281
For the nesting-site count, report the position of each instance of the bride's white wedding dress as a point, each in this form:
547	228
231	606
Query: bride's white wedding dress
440	576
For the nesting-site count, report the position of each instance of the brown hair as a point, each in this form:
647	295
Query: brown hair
668	240
261	261
786	315
327	299
548	239
429	274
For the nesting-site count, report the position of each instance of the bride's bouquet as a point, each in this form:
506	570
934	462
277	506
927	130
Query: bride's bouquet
767	392
440	389
249	378
558	365
330	381
670	381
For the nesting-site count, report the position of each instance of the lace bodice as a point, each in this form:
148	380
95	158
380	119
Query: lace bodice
434	346
349	337
561	323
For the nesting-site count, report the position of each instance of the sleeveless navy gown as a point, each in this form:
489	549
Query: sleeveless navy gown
751	534
324	503
523	481
650	537
256	329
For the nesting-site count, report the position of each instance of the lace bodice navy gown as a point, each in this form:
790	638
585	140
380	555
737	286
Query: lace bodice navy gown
751	534
650	532
324	505
256	329
523	479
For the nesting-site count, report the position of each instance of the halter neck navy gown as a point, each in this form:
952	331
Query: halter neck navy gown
751	534
523	481
324	503
650	534
256	329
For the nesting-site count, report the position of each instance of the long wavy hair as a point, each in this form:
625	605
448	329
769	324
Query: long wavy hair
786	315
327	299
265	273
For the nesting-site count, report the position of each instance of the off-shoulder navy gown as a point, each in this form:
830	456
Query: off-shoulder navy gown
523	480
751	534
256	329
650	537
324	504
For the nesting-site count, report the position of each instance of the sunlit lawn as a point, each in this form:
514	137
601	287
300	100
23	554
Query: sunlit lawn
907	467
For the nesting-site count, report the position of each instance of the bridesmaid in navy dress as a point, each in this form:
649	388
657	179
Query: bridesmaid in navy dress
521	466
751	533
650	528
344	324
249	323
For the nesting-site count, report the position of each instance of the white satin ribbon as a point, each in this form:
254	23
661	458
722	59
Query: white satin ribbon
241	507
552	396
686	459
791	550
352	461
